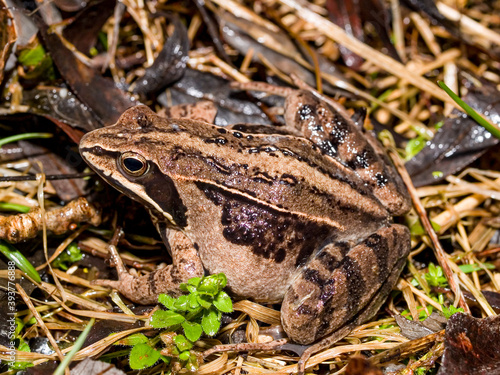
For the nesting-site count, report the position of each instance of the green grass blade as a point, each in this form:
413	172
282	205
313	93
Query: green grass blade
14	255
76	347
470	111
21	137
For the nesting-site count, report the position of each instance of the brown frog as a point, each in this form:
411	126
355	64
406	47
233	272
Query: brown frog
299	215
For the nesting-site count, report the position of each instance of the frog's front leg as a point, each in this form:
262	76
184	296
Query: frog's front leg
344	285
145	289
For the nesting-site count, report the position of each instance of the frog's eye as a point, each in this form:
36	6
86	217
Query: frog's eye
133	164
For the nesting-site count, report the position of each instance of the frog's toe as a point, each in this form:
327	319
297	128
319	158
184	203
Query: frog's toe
132	287
113	284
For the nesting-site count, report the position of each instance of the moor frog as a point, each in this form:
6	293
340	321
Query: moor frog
300	215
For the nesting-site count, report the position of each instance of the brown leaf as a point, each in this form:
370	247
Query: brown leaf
416	329
91	367
106	101
83	31
472	346
351	15
8	35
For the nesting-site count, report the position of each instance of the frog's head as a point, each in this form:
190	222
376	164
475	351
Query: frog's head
126	155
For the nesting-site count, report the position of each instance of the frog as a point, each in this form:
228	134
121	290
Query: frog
300	215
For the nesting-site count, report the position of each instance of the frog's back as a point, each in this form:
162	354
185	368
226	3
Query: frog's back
284	173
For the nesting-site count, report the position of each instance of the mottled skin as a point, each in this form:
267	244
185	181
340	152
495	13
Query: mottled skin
288	219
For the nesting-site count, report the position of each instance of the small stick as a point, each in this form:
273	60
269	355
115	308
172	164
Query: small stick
40	322
408	348
438	249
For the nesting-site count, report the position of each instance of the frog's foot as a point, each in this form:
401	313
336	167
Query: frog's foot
264	87
204	110
344	285
146	288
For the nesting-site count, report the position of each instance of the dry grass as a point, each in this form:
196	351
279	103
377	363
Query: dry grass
404	95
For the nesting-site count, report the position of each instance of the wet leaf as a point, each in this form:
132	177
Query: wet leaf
61	106
223	302
170	63
91	367
192	331
278	49
428	7
182	343
136	338
231	109
412	329
472	346
103	99
351	15
210	322
459	141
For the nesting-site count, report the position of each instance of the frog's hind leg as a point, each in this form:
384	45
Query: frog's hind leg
146	288
344	286
329	125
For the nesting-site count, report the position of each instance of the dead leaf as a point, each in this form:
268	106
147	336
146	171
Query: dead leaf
91	367
458	142
8	35
361	366
472	346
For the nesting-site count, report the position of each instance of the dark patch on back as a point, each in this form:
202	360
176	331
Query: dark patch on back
325	284
355	282
143	120
303	309
304	113
269	233
327	290
380	247
362	160
344	248
313	276
340	131
329	261
216	140
381	179
288	179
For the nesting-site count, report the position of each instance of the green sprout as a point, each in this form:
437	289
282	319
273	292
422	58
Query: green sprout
69	256
190	315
